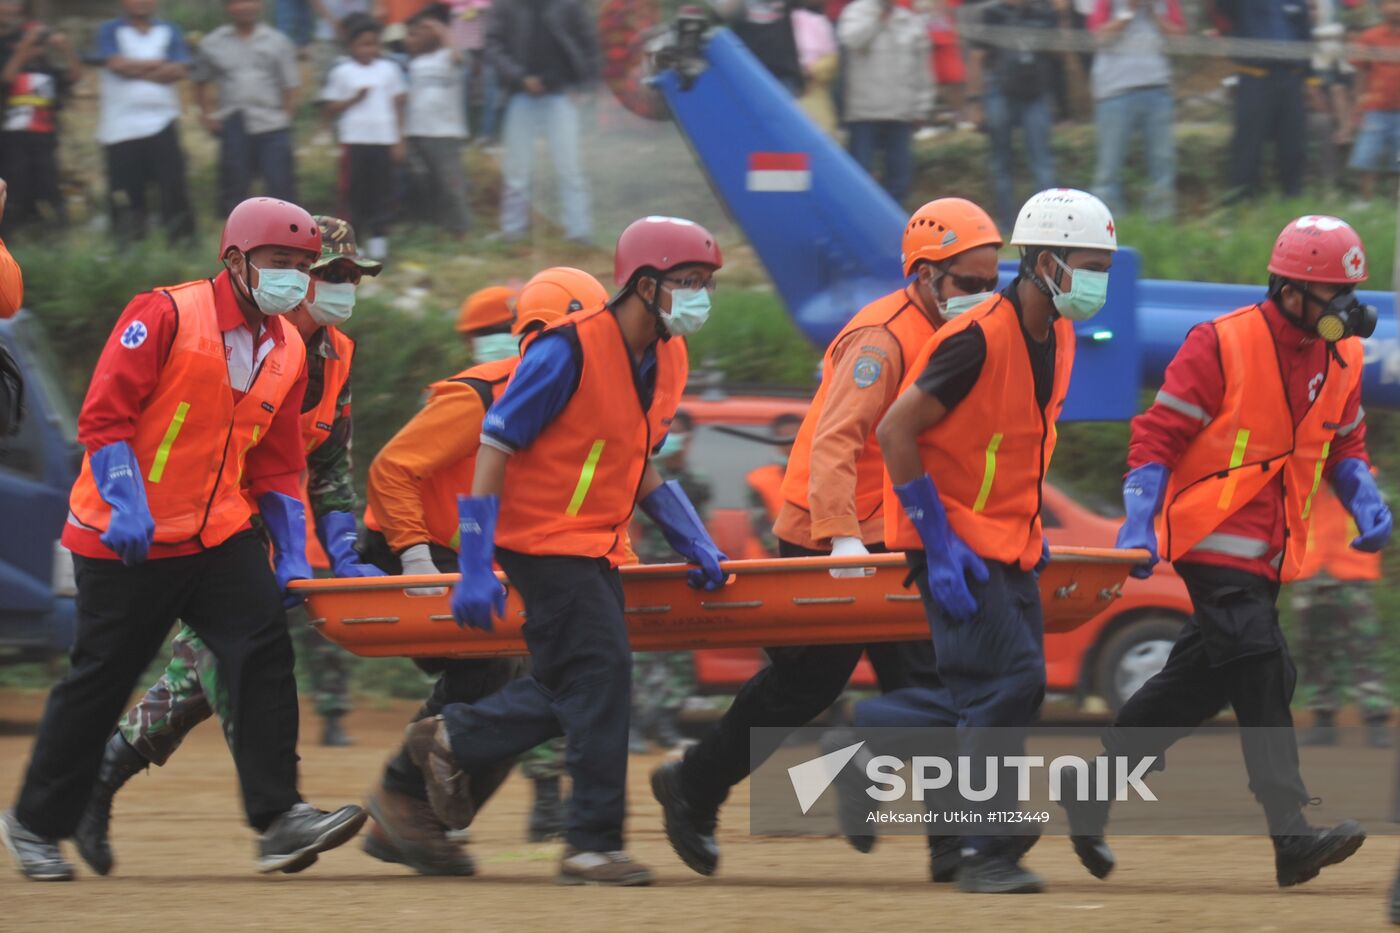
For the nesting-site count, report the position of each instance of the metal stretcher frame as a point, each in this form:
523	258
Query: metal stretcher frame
766	602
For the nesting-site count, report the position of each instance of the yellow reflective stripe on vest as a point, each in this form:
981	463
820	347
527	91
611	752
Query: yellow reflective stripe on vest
243	454
1236	459
585	479
988	474
1317	479
166	442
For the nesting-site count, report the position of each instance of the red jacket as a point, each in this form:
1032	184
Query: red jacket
1193	390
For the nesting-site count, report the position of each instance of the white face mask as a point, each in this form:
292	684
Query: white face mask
959	304
491	347
334	303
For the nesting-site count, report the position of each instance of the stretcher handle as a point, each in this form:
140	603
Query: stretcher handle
772	565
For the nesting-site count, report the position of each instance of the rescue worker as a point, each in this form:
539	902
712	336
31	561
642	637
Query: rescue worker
765	487
190	689
967	445
663	680
564	458
198	385
832	505
1257	409
11	298
1337	622
412	528
485	324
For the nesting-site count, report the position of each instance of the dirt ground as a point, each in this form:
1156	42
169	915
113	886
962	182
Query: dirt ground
184	862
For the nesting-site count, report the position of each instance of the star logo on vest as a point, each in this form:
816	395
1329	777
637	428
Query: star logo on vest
134	335
1354	263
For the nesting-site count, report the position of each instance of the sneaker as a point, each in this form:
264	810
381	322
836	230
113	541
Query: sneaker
996	874
1298	858
449	789
406	831
293	841
690	830
609	868
119	763
37	858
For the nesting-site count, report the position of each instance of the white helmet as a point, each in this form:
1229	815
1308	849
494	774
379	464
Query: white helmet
1065	217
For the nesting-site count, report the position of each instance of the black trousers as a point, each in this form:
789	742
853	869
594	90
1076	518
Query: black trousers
459	680
1268	108
579	686
134	166
794	688
1231	652
228	595
29	163
370	181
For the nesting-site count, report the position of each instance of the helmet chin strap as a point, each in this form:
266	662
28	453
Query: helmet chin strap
654	306
246	280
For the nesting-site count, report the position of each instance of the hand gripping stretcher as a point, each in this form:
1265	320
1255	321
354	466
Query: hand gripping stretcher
791	601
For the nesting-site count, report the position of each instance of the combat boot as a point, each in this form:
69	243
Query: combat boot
664	731
689	828
407	832
333	734
1378	730
996	873
1299	856
449	788
1323	731
548	814
119	763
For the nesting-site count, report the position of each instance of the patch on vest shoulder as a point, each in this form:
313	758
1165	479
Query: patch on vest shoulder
267	407
867	371
134	335
322	426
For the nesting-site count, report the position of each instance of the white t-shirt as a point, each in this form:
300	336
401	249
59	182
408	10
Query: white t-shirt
435	106
373	121
133	108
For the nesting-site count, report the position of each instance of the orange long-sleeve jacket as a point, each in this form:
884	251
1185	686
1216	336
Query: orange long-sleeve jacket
11	283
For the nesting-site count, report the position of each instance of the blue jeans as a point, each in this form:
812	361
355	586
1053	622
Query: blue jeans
295	19
1150	110
1005	114
1377	146
895	140
554	118
244	156
485	127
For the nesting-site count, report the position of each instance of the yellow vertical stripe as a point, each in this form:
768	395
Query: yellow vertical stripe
989	473
163	451
1227	494
585	479
243	455
1317	479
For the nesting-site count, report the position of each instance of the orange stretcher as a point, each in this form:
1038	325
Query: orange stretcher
792	601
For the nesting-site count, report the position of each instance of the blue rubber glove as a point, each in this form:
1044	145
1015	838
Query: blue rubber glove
1044	557
118	477
1143	491
285	521
670	508
478	596
337	532
950	560
1356	487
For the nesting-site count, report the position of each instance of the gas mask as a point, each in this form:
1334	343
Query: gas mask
1344	316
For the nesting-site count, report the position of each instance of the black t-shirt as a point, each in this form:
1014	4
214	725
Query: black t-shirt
549	60
1019	71
956	365
765	27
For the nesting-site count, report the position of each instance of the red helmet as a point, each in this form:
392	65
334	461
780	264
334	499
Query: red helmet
663	243
270	222
1317	248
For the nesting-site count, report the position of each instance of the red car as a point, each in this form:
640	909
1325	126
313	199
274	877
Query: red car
1110	656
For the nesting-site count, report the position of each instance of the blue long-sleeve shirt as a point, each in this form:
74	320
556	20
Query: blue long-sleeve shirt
543	384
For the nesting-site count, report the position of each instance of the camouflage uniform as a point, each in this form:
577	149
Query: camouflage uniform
544	762
1338	628
663	680
188	692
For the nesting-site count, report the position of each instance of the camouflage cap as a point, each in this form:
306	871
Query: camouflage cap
338	242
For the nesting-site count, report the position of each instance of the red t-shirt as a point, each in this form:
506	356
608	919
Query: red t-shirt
1382	78
126	376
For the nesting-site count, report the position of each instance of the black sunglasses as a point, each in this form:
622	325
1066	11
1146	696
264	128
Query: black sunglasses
972	284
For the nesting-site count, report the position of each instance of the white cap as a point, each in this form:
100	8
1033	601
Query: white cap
1065	217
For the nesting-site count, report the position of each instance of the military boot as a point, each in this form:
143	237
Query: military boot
333	734
119	762
547	815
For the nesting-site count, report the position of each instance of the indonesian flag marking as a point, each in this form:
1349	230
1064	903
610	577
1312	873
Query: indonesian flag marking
779	171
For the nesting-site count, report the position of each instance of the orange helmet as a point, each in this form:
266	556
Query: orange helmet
555	292
944	228
487	308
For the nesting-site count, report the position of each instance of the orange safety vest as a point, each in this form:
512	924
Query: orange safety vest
767	481
1330	533
909	326
191	438
572	491
440	490
989	455
1249	441
316	427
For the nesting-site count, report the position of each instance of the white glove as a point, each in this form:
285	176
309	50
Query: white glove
849	547
417	560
